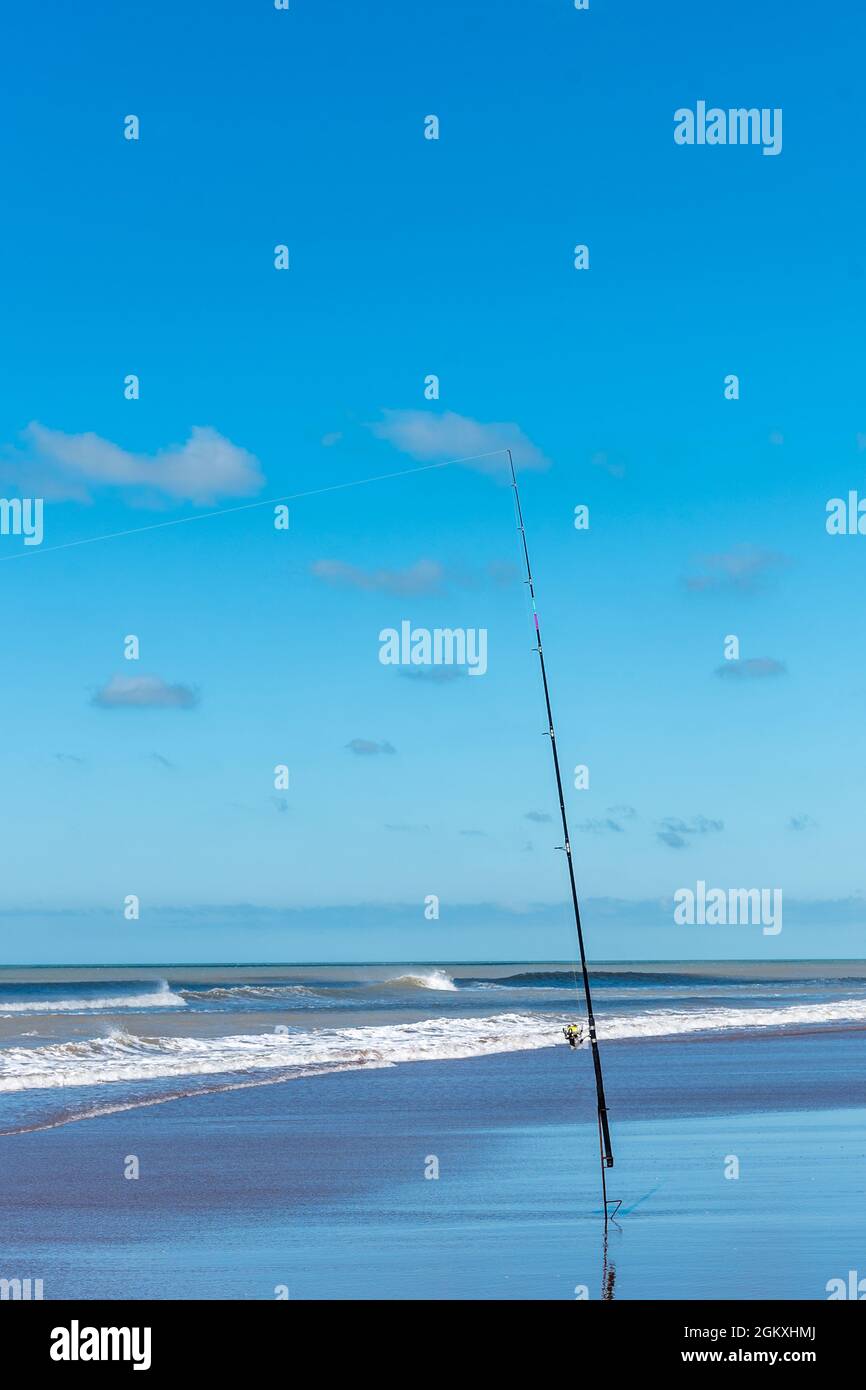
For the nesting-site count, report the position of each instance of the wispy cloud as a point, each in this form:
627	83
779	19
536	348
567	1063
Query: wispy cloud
744	568
608	463
402	828
599	827
431	437
366	747
207	468
424	577
163	762
611	822
69	758
541	817
144	692
755	668
802	823
677	833
432	675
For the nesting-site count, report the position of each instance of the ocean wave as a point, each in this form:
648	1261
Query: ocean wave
124	1057
160	997
246	992
624	979
650	980
433	979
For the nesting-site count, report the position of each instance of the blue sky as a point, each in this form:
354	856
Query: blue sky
409	257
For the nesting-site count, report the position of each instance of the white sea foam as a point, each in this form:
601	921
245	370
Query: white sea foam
160	997
122	1057
670	1022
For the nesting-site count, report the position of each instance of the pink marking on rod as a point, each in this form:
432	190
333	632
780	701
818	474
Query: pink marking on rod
536	621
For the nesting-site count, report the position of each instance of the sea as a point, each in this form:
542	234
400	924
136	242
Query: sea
393	1131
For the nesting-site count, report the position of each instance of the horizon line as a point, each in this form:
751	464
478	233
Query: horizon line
446	960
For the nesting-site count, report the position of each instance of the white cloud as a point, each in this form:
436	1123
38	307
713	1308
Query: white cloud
205	469
144	692
427	436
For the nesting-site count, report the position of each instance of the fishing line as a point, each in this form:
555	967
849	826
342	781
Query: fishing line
250	506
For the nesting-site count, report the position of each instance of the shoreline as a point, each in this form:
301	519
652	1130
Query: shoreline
320	1184
792	1049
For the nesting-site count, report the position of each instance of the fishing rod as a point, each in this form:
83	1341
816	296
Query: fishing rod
604	1144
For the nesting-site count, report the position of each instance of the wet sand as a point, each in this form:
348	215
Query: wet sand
318	1184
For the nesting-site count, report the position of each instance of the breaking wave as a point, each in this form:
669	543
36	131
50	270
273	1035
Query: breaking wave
123	1057
433	979
161	996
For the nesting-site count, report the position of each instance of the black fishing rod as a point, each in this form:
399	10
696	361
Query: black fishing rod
605	1149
